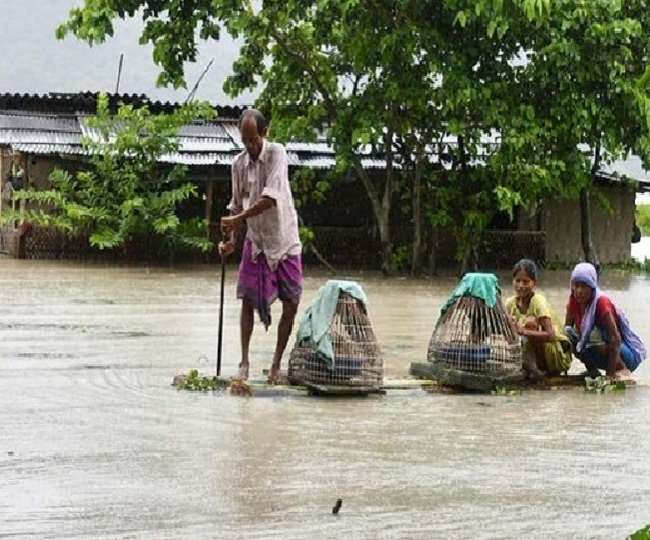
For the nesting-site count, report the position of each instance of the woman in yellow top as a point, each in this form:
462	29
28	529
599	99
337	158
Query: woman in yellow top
546	348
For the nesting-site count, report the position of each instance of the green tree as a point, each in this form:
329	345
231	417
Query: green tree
581	98
643	218
519	89
335	67
123	191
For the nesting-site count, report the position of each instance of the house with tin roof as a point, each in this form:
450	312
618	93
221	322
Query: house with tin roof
41	132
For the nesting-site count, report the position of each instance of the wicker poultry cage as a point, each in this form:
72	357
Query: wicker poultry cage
356	361
473	336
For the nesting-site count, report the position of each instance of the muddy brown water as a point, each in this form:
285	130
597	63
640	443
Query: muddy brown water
94	443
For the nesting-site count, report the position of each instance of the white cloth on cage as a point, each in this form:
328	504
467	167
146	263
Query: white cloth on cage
315	324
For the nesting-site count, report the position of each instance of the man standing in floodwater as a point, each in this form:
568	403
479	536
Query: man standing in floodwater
271	265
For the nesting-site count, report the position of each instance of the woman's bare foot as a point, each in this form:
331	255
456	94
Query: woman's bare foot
623	375
242	372
534	373
531	369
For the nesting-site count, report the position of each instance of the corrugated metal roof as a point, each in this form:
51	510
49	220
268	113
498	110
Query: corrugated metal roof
92	133
58	102
293	158
631	168
327	162
11	136
204	129
218	142
316	148
48	149
203	158
494	137
233	132
192	138
24	121
206	144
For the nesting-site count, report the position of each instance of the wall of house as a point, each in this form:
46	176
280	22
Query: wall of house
612	228
39	169
350	225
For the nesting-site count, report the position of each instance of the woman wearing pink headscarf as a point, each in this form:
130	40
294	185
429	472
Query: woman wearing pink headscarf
600	332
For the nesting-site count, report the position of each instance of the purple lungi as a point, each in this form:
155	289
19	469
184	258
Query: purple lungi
260	285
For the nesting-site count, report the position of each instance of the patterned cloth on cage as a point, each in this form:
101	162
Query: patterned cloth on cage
314	327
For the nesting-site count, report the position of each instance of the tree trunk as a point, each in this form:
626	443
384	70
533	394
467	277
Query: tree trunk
416	259
385	237
465	259
209	202
588	249
463	266
381	206
433	255
464	236
585	229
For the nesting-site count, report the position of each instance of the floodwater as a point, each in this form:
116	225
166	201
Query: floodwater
95	444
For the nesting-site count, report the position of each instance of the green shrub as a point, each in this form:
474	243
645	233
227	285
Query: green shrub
643	218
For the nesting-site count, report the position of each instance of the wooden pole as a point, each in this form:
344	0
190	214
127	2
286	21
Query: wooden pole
220	332
208	211
190	96
119	74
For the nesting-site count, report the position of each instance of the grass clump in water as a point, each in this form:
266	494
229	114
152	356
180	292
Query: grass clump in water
602	385
195	382
505	391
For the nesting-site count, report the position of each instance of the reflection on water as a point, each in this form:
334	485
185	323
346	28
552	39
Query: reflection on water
95	443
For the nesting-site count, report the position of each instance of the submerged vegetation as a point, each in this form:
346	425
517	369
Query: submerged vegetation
602	385
504	391
195	382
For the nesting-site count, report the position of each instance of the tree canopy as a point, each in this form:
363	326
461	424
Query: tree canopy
489	104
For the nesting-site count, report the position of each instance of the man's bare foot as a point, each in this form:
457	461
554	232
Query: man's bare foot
239	387
242	372
275	377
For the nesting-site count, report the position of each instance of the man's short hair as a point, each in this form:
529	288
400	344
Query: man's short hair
260	120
